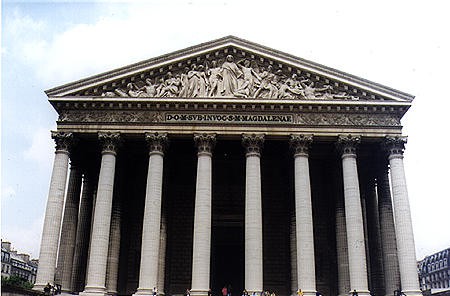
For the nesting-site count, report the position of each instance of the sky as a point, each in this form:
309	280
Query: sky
401	44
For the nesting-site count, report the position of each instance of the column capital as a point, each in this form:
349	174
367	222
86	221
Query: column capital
394	146
205	142
63	140
157	142
347	144
300	144
110	142
253	143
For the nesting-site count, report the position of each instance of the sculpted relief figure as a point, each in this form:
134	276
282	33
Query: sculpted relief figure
149	88
171	86
197	81
184	80
246	78
215	79
230	74
203	82
250	79
291	88
268	87
309	91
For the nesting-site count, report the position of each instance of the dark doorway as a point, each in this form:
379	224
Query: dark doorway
227	259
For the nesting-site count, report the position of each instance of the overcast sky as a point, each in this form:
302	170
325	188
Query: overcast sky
401	44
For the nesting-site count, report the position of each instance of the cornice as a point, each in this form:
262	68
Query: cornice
181	104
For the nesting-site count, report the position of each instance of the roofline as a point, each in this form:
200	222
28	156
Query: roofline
244	44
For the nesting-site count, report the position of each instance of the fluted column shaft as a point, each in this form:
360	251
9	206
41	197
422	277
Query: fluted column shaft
353	216
53	212
403	224
202	216
253	215
162	256
387	230
148	275
98	252
112	271
374	237
83	235
69	229
293	251
342	249
306	275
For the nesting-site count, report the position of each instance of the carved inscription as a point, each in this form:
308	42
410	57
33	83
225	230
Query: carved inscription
229	118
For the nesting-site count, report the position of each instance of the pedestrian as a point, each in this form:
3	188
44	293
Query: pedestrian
224	291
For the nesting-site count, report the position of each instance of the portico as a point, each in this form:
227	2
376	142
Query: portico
193	188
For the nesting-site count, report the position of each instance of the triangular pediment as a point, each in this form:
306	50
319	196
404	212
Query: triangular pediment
229	68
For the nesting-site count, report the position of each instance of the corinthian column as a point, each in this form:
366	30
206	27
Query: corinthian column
53	212
387	230
353	215
83	234
69	228
148	275
403	224
202	219
253	214
306	274
98	253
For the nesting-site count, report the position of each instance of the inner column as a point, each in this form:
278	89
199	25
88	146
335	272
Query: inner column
253	214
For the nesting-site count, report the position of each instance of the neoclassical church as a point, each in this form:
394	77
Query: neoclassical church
228	164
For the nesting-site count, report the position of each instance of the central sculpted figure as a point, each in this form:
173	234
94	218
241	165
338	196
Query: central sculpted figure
230	74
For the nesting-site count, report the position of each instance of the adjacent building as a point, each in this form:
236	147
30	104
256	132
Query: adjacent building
18	264
6	259
228	164
434	272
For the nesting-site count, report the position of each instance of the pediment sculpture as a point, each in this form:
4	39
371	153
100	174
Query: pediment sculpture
231	78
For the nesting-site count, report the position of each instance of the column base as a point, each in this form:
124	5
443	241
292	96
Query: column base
254	292
412	292
309	293
39	287
199	292
360	292
93	291
144	292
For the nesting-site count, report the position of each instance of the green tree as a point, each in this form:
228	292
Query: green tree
16	281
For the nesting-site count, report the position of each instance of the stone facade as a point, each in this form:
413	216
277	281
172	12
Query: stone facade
229	164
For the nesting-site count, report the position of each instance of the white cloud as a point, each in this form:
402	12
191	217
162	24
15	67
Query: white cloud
40	150
8	192
24	35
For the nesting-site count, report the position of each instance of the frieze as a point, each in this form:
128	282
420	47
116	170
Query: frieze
316	119
110	116
347	119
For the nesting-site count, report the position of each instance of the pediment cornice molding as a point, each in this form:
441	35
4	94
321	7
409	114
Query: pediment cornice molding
345	86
